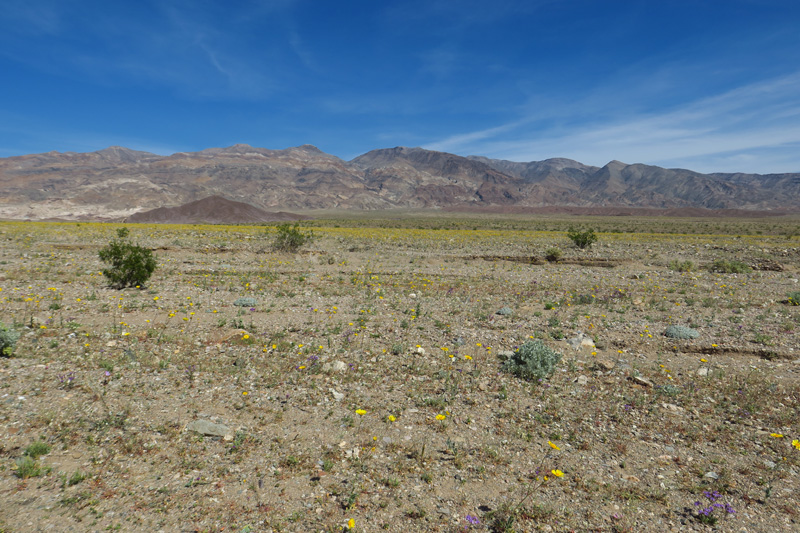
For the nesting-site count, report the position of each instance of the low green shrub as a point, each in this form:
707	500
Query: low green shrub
681	266
681	332
130	265
290	238
8	340
582	239
534	360
729	267
794	298
553	255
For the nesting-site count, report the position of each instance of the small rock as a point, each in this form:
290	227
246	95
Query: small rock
504	355
769	464
630	478
336	366
644	382
338	396
712	475
702	371
581	340
605	364
208	428
582	380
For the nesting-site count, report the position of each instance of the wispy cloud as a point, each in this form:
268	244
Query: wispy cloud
735	128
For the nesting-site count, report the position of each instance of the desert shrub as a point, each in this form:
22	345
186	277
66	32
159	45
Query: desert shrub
532	361
681	266
681	332
8	340
245	302
37	449
290	238
553	254
28	467
729	267
130	265
582	239
794	298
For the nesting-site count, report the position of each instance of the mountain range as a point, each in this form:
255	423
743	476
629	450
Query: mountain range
117	182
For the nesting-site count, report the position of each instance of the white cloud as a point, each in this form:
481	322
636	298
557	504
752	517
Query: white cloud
752	128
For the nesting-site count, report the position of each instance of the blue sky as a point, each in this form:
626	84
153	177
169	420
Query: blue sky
701	84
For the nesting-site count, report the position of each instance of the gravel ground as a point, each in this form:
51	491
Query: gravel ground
364	385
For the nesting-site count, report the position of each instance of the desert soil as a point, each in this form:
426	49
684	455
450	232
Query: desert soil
363	386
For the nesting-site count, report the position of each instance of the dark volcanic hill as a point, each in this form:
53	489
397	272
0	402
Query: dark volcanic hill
212	210
117	183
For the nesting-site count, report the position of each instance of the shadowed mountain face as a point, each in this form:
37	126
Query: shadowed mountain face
118	182
211	210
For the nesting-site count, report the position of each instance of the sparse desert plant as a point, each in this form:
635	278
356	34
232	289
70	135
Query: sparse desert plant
681	332
681	266
729	267
130	265
37	449
553	255
582	239
533	360
28	467
794	298
290	238
8	340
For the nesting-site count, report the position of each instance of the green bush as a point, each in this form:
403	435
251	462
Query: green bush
28	467
8	340
533	360
729	267
290	238
130	265
681	266
553	255
37	449
582	239
794	298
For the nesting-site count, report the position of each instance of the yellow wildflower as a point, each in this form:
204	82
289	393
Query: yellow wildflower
360	412
553	446
557	473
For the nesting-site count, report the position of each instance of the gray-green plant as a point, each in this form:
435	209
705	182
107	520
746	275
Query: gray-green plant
681	332
534	360
28	467
245	302
8	340
130	265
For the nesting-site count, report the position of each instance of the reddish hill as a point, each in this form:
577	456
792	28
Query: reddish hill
212	210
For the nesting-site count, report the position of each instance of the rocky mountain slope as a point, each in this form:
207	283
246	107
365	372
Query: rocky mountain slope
118	182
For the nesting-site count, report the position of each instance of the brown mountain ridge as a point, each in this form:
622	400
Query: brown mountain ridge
117	183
